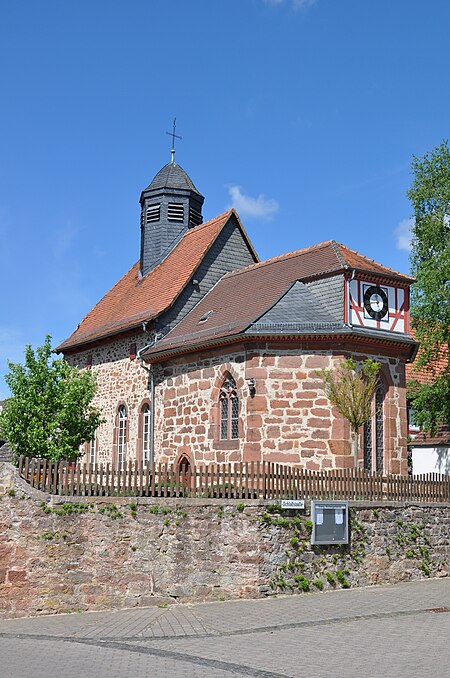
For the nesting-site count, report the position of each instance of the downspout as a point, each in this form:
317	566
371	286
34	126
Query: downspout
151	380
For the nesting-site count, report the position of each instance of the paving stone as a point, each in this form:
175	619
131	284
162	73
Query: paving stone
389	631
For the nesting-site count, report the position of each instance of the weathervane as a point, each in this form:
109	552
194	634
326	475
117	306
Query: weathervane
174	136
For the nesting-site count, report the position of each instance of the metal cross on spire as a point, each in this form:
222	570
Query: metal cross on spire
174	136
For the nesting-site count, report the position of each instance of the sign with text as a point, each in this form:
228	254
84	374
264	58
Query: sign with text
292	503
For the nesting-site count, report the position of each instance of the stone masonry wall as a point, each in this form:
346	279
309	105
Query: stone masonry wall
68	555
289	420
120	380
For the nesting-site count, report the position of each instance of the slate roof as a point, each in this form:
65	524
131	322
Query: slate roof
241	298
321	300
131	300
172	176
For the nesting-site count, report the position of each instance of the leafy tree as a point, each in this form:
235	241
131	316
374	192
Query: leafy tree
49	414
350	388
430	308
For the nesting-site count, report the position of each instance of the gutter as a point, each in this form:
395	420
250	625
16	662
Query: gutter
170	352
86	341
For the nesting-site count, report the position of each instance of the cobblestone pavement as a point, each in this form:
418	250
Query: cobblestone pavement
401	630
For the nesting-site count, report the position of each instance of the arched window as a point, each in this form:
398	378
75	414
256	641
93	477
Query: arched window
146	451
229	410
184	465
374	433
92	448
122	437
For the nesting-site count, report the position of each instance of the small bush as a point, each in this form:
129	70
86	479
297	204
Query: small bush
302	582
308	526
273	508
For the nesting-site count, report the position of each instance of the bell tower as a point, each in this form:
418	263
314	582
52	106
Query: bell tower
169	206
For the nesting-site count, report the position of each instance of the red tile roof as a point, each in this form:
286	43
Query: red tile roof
426	375
442	437
360	262
244	295
132	301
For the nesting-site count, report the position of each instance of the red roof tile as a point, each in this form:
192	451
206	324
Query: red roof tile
359	261
442	437
244	295
426	375
132	301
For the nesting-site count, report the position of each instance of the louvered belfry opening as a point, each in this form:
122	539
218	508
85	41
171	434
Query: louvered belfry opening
169	206
152	213
195	217
175	211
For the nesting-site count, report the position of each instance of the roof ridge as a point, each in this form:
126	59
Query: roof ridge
279	257
207	223
387	268
339	256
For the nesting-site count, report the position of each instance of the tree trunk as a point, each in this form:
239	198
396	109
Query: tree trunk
355	448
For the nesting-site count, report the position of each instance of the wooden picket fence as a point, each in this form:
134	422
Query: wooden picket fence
245	480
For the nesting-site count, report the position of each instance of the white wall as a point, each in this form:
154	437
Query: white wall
431	459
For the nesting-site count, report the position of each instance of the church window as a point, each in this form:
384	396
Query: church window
413	426
152	213
374	434
175	211
92	448
229	410
122	437
146	434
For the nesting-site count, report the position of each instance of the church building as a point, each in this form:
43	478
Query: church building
203	353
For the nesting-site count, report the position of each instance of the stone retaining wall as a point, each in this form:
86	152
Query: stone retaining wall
66	555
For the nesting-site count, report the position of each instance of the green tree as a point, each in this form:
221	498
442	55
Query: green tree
49	414
430	307
350	388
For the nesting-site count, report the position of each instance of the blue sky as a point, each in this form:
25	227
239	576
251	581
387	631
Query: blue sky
304	114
